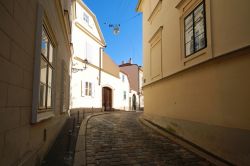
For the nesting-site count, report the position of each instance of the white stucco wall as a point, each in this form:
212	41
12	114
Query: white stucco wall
79	100
89	26
86	47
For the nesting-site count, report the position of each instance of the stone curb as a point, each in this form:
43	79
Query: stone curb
187	145
80	150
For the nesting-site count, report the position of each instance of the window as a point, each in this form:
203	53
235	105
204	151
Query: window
123	78
85	17
124	95
43	95
46	72
195	30
88	88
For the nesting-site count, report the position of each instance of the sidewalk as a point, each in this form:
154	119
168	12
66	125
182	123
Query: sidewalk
63	150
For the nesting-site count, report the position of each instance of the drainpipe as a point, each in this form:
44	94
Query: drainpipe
100	54
139	94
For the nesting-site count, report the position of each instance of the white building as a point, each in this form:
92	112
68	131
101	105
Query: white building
135	75
96	80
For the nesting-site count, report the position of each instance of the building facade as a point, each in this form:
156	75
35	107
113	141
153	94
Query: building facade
196	63
97	82
35	63
135	75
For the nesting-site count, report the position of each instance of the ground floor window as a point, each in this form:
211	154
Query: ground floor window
124	95
87	88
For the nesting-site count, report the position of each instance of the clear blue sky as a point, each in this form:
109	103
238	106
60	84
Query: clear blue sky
128	43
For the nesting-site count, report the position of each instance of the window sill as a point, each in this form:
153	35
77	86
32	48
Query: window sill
44	116
195	55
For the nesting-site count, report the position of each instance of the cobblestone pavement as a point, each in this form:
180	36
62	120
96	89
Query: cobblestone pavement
120	139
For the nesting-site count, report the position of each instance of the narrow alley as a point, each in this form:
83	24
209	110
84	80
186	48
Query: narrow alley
120	139
124	82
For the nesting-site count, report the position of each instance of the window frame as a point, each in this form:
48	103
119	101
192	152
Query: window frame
49	65
193	27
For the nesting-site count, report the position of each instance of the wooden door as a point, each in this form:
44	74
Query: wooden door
107	98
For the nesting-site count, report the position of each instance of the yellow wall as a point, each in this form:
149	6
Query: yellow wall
206	96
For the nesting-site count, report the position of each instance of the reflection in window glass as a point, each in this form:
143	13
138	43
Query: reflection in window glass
49	97
42	95
50	53
43	72
199	28
195	37
44	43
50	77
189	34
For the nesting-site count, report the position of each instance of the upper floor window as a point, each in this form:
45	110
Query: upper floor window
85	17
195	30
46	72
123	78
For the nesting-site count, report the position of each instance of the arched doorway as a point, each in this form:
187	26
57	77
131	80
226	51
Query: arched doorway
107	98
134	102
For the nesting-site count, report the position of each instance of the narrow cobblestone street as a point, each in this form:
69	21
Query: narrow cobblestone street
120	139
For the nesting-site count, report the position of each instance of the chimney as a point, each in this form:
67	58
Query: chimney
130	61
122	62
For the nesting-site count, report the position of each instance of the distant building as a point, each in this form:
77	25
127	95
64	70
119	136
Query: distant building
97	82
196	72
35	58
135	75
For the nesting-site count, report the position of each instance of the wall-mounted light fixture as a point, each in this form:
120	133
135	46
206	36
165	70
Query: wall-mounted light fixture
75	70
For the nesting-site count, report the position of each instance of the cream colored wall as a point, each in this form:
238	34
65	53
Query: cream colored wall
21	142
207	105
230	26
206	94
209	94
219	41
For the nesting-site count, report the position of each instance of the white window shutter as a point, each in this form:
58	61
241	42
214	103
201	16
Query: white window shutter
82	88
